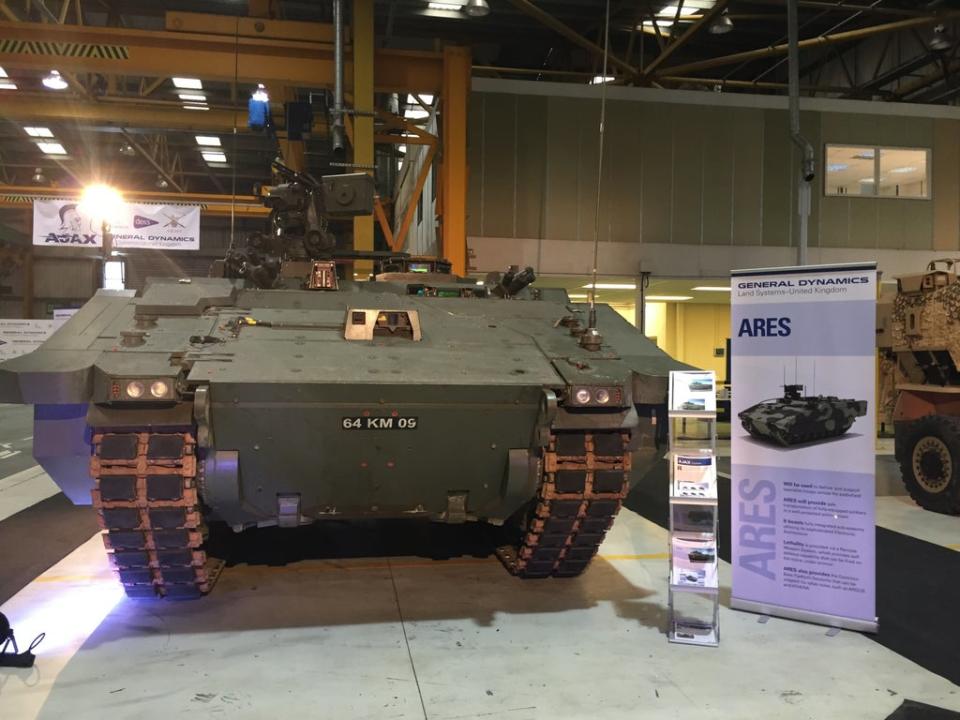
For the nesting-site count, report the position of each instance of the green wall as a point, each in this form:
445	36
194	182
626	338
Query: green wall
694	174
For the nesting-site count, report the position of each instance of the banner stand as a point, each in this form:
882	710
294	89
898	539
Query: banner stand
803	456
818	618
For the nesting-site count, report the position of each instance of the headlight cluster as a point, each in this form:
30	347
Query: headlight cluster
141	390
597	396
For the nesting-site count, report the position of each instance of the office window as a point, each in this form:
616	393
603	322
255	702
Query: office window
867	171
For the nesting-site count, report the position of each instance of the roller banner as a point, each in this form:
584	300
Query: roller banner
803	443
63	223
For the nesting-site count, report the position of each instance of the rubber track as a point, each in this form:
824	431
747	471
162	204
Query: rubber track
146	500
584	480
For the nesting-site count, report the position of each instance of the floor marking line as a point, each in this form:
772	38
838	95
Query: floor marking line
403	627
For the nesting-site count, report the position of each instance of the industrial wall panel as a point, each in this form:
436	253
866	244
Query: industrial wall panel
623	208
747	134
562	176
588	142
945	175
718	175
657	172
834	228
476	157
917	225
892	232
777	189
500	147
688	139
864	222
530	167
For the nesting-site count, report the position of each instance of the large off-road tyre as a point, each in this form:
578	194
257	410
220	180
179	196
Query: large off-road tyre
928	452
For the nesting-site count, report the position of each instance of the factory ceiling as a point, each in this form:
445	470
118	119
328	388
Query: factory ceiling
121	113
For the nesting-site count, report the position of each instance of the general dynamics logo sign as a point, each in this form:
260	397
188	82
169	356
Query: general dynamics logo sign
139	221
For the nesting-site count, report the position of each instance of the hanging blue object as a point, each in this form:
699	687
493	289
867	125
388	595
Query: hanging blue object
258	114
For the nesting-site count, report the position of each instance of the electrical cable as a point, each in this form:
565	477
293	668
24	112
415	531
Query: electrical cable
603	117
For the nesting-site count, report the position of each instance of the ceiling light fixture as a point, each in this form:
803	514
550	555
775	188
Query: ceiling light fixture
40	132
187	83
260	94
191	97
668	298
127	150
611	286
38	177
448	6
722	25
162	183
941	39
905	169
101	202
208	140
55	81
477	8
600	79
577	296
8	86
188	106
212	156
3	73
52	148
712	288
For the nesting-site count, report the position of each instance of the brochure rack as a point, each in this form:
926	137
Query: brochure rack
694	587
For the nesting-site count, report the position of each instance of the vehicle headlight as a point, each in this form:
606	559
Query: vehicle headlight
582	396
135	389
159	389
603	396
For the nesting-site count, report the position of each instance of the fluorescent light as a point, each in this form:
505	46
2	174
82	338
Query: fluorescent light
612	286
187	83
427	99
577	296
401	148
867	180
211	156
837	167
7	86
52	148
3	73
600	79
208	140
415	113
452	6
479	282
712	288
668	298
192	97
906	169
41	132
196	107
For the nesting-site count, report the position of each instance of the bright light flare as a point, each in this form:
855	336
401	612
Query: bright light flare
101	203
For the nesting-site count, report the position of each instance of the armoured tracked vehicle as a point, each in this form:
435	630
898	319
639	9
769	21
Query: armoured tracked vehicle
281	393
919	341
795	418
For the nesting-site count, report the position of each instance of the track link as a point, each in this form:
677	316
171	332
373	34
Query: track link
148	507
584	480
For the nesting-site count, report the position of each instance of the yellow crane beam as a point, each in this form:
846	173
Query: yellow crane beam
22	197
209	56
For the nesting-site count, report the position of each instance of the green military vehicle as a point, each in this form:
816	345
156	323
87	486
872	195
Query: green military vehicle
281	393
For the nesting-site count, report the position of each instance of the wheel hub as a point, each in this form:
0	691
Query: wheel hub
932	464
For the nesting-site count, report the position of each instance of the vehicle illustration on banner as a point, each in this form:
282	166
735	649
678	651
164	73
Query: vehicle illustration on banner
796	419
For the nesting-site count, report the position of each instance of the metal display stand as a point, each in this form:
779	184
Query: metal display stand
694	585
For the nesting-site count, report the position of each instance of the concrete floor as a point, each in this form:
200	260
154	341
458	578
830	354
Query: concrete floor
407	637
415	638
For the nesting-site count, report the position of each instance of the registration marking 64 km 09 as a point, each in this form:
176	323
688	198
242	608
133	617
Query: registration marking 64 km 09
379	423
